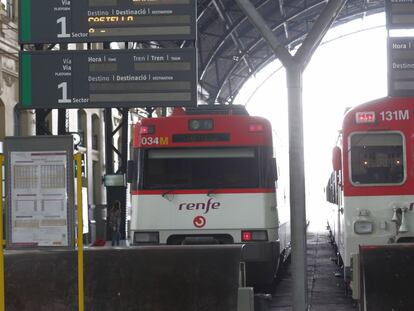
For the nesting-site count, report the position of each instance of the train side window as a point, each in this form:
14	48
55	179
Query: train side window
377	158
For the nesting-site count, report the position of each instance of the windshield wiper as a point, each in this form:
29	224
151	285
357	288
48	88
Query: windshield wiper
169	191
211	192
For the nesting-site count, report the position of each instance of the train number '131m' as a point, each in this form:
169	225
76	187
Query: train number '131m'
395	115
154	141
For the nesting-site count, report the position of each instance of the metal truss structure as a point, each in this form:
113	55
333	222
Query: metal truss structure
230	49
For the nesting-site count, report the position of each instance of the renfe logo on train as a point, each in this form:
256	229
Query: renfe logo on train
200	206
199	221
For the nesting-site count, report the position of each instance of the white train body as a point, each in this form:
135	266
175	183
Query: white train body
371	191
210	179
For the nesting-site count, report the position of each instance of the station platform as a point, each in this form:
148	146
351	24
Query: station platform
141	278
165	278
325	291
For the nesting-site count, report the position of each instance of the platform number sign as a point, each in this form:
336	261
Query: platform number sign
71	21
64	98
63	28
106	79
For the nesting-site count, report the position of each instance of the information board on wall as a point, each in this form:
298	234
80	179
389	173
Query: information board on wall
40	212
401	66
399	14
108	78
57	21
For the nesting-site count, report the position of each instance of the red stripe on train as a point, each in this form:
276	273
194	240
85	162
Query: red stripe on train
203	191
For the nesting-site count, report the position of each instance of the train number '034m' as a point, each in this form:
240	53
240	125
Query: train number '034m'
395	115
147	141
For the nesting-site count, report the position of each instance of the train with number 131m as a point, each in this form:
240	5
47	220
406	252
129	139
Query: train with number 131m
371	195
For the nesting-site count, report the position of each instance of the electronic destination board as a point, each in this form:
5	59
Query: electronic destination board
399	13
401	66
108	78
65	21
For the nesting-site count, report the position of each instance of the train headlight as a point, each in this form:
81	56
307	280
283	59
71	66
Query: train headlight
363	227
146	237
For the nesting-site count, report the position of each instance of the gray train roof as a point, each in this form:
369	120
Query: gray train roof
230	49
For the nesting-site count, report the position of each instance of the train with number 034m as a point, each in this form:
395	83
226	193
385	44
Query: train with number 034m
371	199
209	176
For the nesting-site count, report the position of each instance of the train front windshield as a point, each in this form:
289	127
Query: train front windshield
202	168
377	158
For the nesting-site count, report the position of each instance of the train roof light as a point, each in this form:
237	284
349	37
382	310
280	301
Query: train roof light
147	129
200	125
365	117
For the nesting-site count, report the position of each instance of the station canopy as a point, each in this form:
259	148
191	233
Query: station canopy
230	49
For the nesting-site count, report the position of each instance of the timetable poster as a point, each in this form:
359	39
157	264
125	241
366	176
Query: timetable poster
39	199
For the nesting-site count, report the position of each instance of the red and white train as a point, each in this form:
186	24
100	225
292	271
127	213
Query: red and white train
371	195
208	176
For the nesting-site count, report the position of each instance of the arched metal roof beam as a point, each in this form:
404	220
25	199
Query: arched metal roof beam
283	14
228	23
266	32
259	41
217	48
200	16
259	67
318	31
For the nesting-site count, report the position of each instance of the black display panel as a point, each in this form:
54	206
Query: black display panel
65	21
399	14
108	78
401	66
